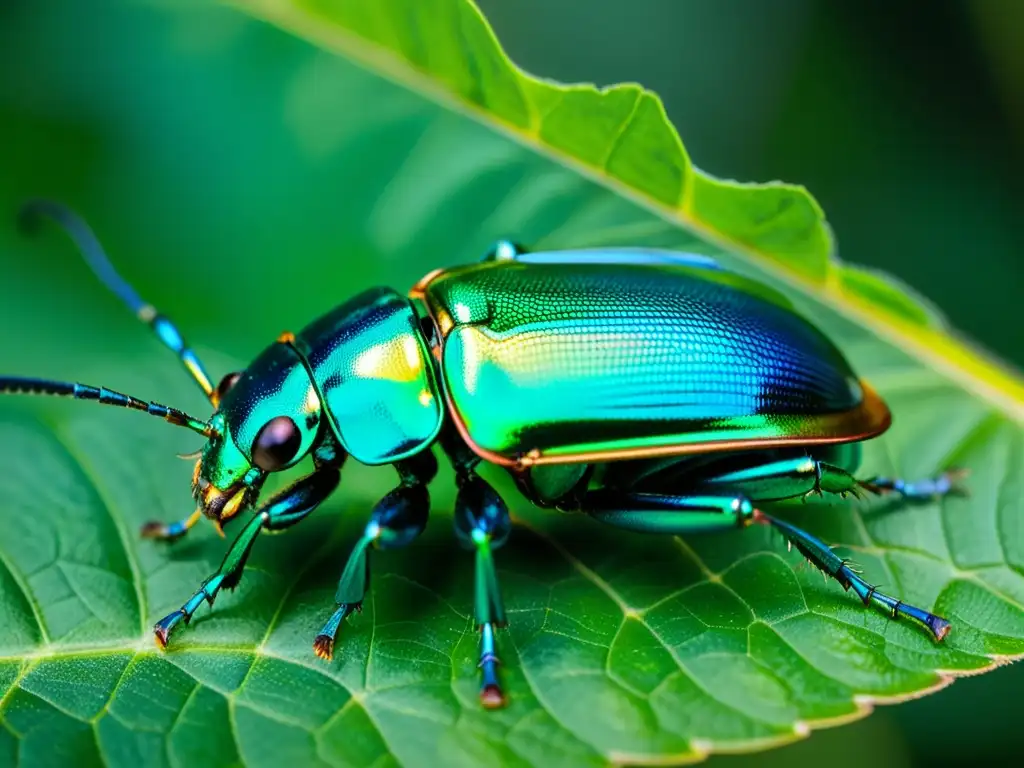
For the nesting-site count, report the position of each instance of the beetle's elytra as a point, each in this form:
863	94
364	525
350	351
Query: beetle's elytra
650	390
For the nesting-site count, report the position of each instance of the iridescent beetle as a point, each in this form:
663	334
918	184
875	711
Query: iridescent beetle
650	390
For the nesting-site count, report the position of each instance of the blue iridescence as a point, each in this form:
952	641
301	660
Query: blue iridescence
581	357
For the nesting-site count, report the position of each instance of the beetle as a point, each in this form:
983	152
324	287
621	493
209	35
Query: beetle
650	390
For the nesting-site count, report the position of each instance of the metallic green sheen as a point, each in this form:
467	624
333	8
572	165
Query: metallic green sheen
372	366
275	384
574	358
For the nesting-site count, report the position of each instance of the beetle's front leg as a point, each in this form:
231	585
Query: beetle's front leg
281	511
395	521
154	529
171	532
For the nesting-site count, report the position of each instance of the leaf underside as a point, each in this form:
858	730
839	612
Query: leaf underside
322	177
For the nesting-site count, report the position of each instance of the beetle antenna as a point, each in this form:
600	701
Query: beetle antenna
89	246
24	386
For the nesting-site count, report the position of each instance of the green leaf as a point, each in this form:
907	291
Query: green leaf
246	180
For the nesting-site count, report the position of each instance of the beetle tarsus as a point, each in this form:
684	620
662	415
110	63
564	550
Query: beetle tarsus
948	483
323	644
896	609
163	628
491	695
482	522
830	564
154	529
323	647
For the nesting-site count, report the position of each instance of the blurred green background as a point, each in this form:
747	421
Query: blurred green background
905	120
907	124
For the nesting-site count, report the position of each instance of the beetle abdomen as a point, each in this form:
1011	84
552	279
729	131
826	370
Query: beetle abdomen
569	362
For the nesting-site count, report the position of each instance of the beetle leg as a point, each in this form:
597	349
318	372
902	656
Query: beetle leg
807	476
802	476
829	563
816	489
665	513
504	250
170	531
395	521
154	529
945	484
280	511
681	515
482	523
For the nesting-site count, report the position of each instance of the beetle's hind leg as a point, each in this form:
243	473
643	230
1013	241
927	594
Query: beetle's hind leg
395	521
786	478
946	484
828	562
682	515
808	475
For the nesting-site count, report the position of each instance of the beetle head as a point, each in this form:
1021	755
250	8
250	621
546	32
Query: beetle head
267	420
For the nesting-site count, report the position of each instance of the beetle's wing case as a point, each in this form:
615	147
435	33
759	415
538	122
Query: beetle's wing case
372	367
555	362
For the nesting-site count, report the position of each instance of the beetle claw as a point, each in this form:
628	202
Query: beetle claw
955	477
815	491
323	647
163	628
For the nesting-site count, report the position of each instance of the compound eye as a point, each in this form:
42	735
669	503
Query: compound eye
276	444
227	383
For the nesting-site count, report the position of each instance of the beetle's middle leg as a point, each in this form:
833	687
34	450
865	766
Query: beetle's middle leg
395	521
482	524
690	514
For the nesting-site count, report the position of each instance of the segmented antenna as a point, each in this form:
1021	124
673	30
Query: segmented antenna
104	396
89	246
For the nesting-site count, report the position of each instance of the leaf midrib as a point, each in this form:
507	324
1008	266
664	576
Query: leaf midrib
978	372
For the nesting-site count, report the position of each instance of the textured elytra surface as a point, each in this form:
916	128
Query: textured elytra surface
620	648
641	356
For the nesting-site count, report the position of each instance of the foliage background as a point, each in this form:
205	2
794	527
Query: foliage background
904	124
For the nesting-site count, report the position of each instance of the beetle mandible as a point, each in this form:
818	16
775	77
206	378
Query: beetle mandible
650	390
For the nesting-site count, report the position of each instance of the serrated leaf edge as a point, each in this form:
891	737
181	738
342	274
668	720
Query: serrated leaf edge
944	351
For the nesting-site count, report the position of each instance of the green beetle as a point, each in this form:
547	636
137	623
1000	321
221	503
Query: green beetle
650	390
